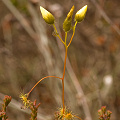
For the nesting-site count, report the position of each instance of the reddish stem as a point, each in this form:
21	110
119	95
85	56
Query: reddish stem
63	78
40	81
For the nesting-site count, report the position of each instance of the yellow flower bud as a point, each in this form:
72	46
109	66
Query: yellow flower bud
80	15
47	16
68	21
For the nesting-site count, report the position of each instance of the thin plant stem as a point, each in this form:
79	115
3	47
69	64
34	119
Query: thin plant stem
40	81
66	48
72	34
77	117
58	34
64	64
65	37
71	39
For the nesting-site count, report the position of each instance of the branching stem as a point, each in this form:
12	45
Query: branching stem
72	34
66	49
58	34
40	81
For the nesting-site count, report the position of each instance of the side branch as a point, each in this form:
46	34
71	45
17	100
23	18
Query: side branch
71	39
41	80
58	34
77	117
72	34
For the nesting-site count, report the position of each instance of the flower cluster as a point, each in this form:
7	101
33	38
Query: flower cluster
104	114
6	100
79	16
29	104
67	115
34	109
26	102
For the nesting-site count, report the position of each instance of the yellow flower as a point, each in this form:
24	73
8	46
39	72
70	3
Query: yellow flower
69	116
80	15
24	98
66	116
68	21
47	16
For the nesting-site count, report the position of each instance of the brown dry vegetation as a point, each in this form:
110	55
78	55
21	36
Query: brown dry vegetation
29	51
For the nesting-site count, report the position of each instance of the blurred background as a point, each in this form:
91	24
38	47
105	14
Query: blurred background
30	51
